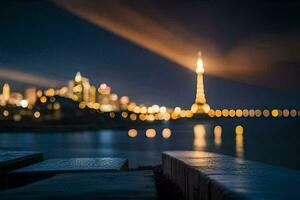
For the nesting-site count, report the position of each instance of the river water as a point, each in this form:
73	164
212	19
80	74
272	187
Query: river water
269	140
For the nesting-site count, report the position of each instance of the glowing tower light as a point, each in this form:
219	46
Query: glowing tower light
200	105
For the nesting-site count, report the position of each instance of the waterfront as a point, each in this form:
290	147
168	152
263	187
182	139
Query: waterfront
269	140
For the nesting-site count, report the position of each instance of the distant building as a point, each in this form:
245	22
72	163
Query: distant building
82	91
93	94
30	96
70	89
124	102
104	98
104	94
6	92
108	101
2	102
15	98
79	88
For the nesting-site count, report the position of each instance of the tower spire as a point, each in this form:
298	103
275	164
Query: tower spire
200	68
200	96
78	77
200	105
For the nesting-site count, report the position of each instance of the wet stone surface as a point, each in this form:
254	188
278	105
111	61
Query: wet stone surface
76	165
94	185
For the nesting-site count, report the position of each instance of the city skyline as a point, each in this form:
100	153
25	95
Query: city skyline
52	58
102	98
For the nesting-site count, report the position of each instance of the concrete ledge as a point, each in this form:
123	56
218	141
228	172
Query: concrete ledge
11	160
52	167
66	165
110	185
202	175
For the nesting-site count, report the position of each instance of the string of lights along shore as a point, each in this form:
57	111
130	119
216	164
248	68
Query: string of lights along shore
87	96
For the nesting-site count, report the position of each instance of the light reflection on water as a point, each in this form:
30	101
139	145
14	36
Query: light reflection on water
199	137
262	140
166	133
150	133
132	133
218	135
239	141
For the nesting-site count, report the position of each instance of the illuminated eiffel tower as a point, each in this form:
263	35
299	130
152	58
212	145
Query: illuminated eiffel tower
200	106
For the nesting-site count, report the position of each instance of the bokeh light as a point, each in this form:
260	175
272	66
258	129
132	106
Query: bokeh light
166	133
150	133
132	133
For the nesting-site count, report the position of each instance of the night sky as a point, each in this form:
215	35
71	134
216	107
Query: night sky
40	38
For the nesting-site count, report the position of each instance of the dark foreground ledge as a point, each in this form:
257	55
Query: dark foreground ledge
202	175
79	178
11	160
133	185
